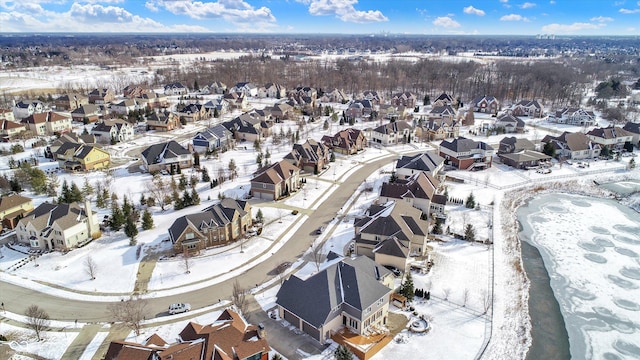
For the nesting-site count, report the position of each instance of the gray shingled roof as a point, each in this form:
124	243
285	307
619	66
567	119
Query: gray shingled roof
169	150
427	161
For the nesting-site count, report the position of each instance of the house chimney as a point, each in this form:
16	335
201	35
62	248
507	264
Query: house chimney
92	225
262	332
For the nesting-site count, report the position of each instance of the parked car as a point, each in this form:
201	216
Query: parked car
178	308
394	270
320	230
543	171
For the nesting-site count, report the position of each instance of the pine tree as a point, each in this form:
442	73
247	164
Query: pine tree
343	353
75	194
469	233
437	228
182	184
406	289
131	230
205	175
195	198
260	216
52	185
147	220
196	159
117	218
471	201
87	189
126	208
64	193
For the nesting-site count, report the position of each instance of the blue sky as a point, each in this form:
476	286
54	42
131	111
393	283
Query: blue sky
440	17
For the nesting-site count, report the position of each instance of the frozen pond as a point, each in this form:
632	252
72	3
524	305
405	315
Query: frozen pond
623	187
591	250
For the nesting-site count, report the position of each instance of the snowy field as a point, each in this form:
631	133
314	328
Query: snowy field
591	249
52	345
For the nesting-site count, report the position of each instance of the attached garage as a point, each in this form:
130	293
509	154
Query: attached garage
309	329
291	318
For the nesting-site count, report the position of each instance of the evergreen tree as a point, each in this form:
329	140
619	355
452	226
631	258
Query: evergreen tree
332	157
406	289
233	169
126	208
256	144
471	201
147	220
195	197
205	175
196	159
393	178
549	149
325	126
16	186
276	357
64	192
87	189
75	193
260	216
437	228
52	185
131	230
182	184
117	217
343	353
143	200
632	164
469	233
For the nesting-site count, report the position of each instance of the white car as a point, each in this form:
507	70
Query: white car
178	308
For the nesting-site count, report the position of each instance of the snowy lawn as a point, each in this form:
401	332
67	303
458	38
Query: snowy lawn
52	345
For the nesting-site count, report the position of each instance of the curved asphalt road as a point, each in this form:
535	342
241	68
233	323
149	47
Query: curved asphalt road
16	299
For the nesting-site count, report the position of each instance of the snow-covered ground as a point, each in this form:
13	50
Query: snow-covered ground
51	346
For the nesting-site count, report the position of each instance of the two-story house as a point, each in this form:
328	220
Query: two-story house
575	146
393	133
531	108
486	104
445	112
276	181
175	88
438	129
612	137
13	207
510	123
520	153
310	156
101	96
88	113
124	107
169	156
406	99
348	141
215	137
48	123
60	227
163	121
216	225
574	116
116	130
420	190
247	88
70	102
10	130
428	162
81	157
467	154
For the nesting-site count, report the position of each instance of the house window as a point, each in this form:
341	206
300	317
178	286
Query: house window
380	301
353	323
35	243
192	246
189	236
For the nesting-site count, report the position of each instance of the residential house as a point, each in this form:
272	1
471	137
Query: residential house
272	90
467	154
334	96
444	112
306	92
229	337
613	137
116	130
311	156
23	109
60	227
420	190
88	113
520	153
13	207
10	130
575	146
486	104
445	99
438	129
531	108
249	126
81	157
101	96
347	294
217	137
124	107
397	219
169	156
373	96
163	121
246	88
428	162
360	109
175	88
152	100
280	111
406	99
510	123
71	137
48	123
347	142
135	91
391	112
70	102
574	116
217	87
217	106
193	112
7	114
634	129
237	100
276	181
393	133
216	225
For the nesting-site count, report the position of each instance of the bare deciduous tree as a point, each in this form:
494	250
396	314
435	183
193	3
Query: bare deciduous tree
159	190
37	319
90	267
131	312
239	298
186	261
465	297
445	293
486	301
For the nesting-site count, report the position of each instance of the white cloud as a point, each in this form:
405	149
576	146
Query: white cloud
527	5
552	2
514	17
504	1
344	10
445	21
151	6
238	12
601	19
471	10
629	11
571	28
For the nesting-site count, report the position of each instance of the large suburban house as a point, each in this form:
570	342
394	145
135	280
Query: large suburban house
176	88
216	225
60	227
169	156
486	104
428	162
445	112
152	100
438	129
272	90
575	146
13	207
347	142
634	129
358	109
510	123
574	116
406	99
116	130
10	130
347	294
217	106
124	107
70	102
193	112
520	153
420	190
531	108
88	113
444	99
163	121
229	337
101	96
215	137
612	137
247	127
22	109
236	100
466	154
47	123
335	96
81	157
247	88
397	219
276	181
393	133
310	156
373	96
